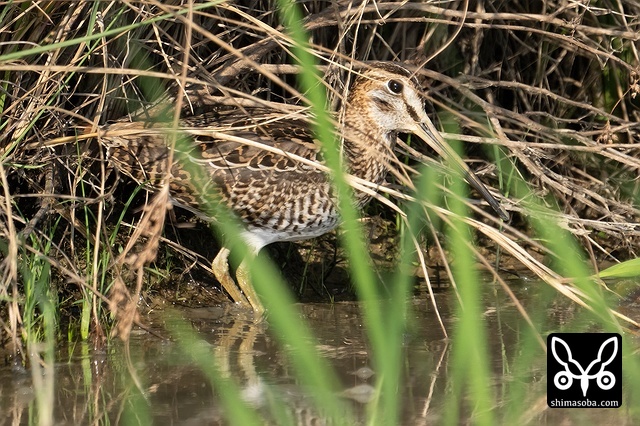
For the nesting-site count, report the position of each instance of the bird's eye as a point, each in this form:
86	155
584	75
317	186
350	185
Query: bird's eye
395	86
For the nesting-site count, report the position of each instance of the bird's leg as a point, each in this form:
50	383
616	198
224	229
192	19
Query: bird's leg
244	282
220	266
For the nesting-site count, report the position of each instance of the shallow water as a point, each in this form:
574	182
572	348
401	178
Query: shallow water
95	386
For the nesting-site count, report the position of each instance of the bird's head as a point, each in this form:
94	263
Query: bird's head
391	98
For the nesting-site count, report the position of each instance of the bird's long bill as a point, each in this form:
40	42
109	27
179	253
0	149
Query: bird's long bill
428	133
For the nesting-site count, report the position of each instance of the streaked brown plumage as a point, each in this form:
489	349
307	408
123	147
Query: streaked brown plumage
258	163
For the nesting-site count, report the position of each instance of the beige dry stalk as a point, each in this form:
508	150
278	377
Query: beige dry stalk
149	232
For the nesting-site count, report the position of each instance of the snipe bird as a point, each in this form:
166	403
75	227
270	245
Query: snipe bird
276	196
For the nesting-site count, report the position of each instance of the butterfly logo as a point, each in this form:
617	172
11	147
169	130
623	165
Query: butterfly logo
564	379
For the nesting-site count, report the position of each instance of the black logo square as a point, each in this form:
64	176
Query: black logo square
584	370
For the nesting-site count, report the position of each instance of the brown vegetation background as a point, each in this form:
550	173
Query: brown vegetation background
553	85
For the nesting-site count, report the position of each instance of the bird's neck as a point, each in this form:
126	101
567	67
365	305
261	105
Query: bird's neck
368	148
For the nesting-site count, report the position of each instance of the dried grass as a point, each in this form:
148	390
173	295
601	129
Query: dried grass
554	86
